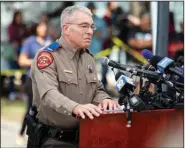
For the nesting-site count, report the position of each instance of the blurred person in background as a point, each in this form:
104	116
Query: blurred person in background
181	33
180	36
175	40
118	24
140	37
124	22
171	28
109	15
17	32
30	46
51	29
61	7
107	43
100	33
48	16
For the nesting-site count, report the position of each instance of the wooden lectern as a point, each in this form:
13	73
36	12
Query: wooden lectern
149	129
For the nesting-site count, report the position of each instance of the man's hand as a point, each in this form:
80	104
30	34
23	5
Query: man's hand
109	104
89	110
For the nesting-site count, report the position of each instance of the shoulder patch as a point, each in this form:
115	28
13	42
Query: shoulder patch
88	51
44	59
52	47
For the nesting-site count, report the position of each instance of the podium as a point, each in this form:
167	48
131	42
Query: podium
149	129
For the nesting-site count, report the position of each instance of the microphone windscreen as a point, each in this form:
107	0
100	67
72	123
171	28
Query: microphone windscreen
104	60
154	60
118	75
180	60
147	54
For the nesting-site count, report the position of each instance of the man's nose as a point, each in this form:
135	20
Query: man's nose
90	30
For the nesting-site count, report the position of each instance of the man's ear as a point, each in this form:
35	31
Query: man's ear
65	29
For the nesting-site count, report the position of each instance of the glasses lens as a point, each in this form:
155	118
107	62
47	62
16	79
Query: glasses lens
93	27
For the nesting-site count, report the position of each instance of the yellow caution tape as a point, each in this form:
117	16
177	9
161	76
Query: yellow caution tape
127	49
118	43
12	72
103	53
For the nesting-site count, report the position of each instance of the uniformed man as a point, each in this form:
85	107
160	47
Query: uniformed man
65	83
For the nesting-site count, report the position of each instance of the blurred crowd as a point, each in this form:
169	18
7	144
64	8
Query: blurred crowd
135	31
25	40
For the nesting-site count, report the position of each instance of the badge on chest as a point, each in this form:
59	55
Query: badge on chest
90	68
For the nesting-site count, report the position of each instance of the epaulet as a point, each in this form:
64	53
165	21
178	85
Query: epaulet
88	51
52	47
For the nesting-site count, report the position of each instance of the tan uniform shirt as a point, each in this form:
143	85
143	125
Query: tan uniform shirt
71	79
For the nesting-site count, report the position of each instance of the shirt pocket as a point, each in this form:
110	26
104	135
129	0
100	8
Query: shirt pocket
91	78
91	81
91	86
67	83
67	78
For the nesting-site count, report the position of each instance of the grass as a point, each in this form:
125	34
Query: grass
13	110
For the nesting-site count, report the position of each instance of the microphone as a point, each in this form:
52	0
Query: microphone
124	85
166	65
114	64
147	54
180	61
162	64
122	81
138	72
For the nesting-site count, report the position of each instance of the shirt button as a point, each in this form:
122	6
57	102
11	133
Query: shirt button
68	80
69	114
65	111
81	93
94	78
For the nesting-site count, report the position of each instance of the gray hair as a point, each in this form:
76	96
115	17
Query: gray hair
70	11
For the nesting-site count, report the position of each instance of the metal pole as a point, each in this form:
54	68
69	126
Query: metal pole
162	29
154	20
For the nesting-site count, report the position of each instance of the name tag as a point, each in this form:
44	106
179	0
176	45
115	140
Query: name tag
68	71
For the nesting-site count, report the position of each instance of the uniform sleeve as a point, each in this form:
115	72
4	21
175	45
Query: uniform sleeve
47	84
100	93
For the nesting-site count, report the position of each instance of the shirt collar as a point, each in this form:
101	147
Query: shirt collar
67	47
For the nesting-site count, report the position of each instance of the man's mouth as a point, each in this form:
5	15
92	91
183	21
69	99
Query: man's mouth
88	40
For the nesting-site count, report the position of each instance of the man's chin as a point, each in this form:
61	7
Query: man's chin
86	45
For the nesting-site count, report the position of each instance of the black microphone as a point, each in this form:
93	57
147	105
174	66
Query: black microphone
114	64
180	61
148	67
166	65
163	64
125	85
123	81
135	70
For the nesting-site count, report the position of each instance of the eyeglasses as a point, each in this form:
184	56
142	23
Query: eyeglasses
85	26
